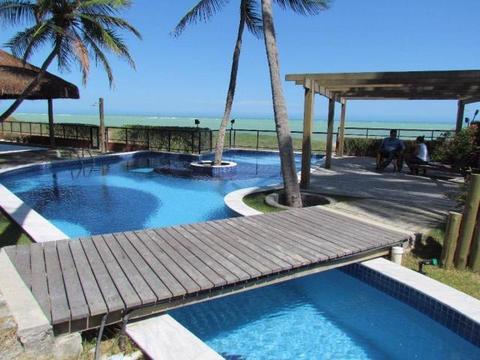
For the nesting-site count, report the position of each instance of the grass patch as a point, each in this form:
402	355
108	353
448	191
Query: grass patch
431	247
109	346
257	201
11	233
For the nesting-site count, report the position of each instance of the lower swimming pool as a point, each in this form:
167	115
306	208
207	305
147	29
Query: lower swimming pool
139	191
330	315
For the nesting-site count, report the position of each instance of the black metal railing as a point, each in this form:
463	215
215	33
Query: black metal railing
406	134
188	140
79	135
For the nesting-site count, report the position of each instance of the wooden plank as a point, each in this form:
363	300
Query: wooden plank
39	279
112	298
460	115
181	257
56	287
322	233
241	259
293	246
230	243
91	290
171	266
76	299
125	289
272	243
264	265
211	258
287	226
372	233
152	259
144	292
22	264
148	272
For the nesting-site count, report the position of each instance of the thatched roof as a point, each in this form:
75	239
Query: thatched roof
15	77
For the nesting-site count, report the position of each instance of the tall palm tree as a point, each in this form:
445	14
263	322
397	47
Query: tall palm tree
249	15
285	145
76	29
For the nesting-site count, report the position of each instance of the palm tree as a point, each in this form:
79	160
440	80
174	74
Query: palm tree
285	145
76	29
249	16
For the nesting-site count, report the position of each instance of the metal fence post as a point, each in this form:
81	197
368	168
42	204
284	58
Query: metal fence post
235	138
367	134
126	136
169	140
148	138
211	140
258	137
199	142
193	140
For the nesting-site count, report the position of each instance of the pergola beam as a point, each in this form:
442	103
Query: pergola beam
331	118
341	131
460	114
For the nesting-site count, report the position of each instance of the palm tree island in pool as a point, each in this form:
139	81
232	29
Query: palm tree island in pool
251	16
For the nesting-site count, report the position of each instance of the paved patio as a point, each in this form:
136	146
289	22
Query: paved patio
413	203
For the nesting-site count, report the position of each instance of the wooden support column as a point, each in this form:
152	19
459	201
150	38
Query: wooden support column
51	130
101	129
331	117
341	131
309	103
460	115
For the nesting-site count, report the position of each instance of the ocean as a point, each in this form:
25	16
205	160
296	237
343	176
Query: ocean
214	122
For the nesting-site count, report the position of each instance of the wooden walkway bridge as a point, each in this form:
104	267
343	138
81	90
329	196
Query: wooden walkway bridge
79	282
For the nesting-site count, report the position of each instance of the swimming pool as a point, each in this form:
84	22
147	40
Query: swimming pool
330	315
144	190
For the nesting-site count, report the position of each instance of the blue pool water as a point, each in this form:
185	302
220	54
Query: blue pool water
119	195
330	315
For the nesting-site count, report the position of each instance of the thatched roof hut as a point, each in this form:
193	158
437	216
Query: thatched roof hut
15	77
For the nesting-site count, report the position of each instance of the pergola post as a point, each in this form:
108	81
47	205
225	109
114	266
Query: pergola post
101	129
309	103
341	131
51	130
460	115
331	117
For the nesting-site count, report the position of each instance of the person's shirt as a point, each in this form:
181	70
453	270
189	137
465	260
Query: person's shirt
392	144
422	152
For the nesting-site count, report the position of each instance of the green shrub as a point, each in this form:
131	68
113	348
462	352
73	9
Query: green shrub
459	151
369	147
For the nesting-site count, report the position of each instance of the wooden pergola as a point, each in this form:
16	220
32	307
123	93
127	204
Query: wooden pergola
15	76
460	85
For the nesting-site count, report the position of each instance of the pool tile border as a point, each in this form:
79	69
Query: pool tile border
453	309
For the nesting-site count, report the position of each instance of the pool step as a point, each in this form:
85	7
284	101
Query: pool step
162	337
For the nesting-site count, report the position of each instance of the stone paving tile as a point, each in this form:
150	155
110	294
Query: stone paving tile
414	203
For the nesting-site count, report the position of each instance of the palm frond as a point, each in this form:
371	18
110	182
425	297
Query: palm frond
304	7
253	18
25	42
15	12
99	57
203	11
112	22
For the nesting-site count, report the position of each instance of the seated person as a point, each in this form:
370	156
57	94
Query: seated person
420	155
391	148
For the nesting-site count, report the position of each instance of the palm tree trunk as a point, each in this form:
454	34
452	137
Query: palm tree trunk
285	145
30	87
231	89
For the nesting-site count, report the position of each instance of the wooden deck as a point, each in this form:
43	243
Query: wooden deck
77	282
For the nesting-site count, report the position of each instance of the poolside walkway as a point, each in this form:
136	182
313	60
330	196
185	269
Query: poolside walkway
137	273
413	203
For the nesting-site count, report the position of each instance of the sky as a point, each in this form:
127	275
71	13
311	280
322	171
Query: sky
189	75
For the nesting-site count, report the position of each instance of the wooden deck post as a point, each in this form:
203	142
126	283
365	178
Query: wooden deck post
331	117
341	132
468	224
101	135
451	239
460	114
51	129
475	251
309	103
